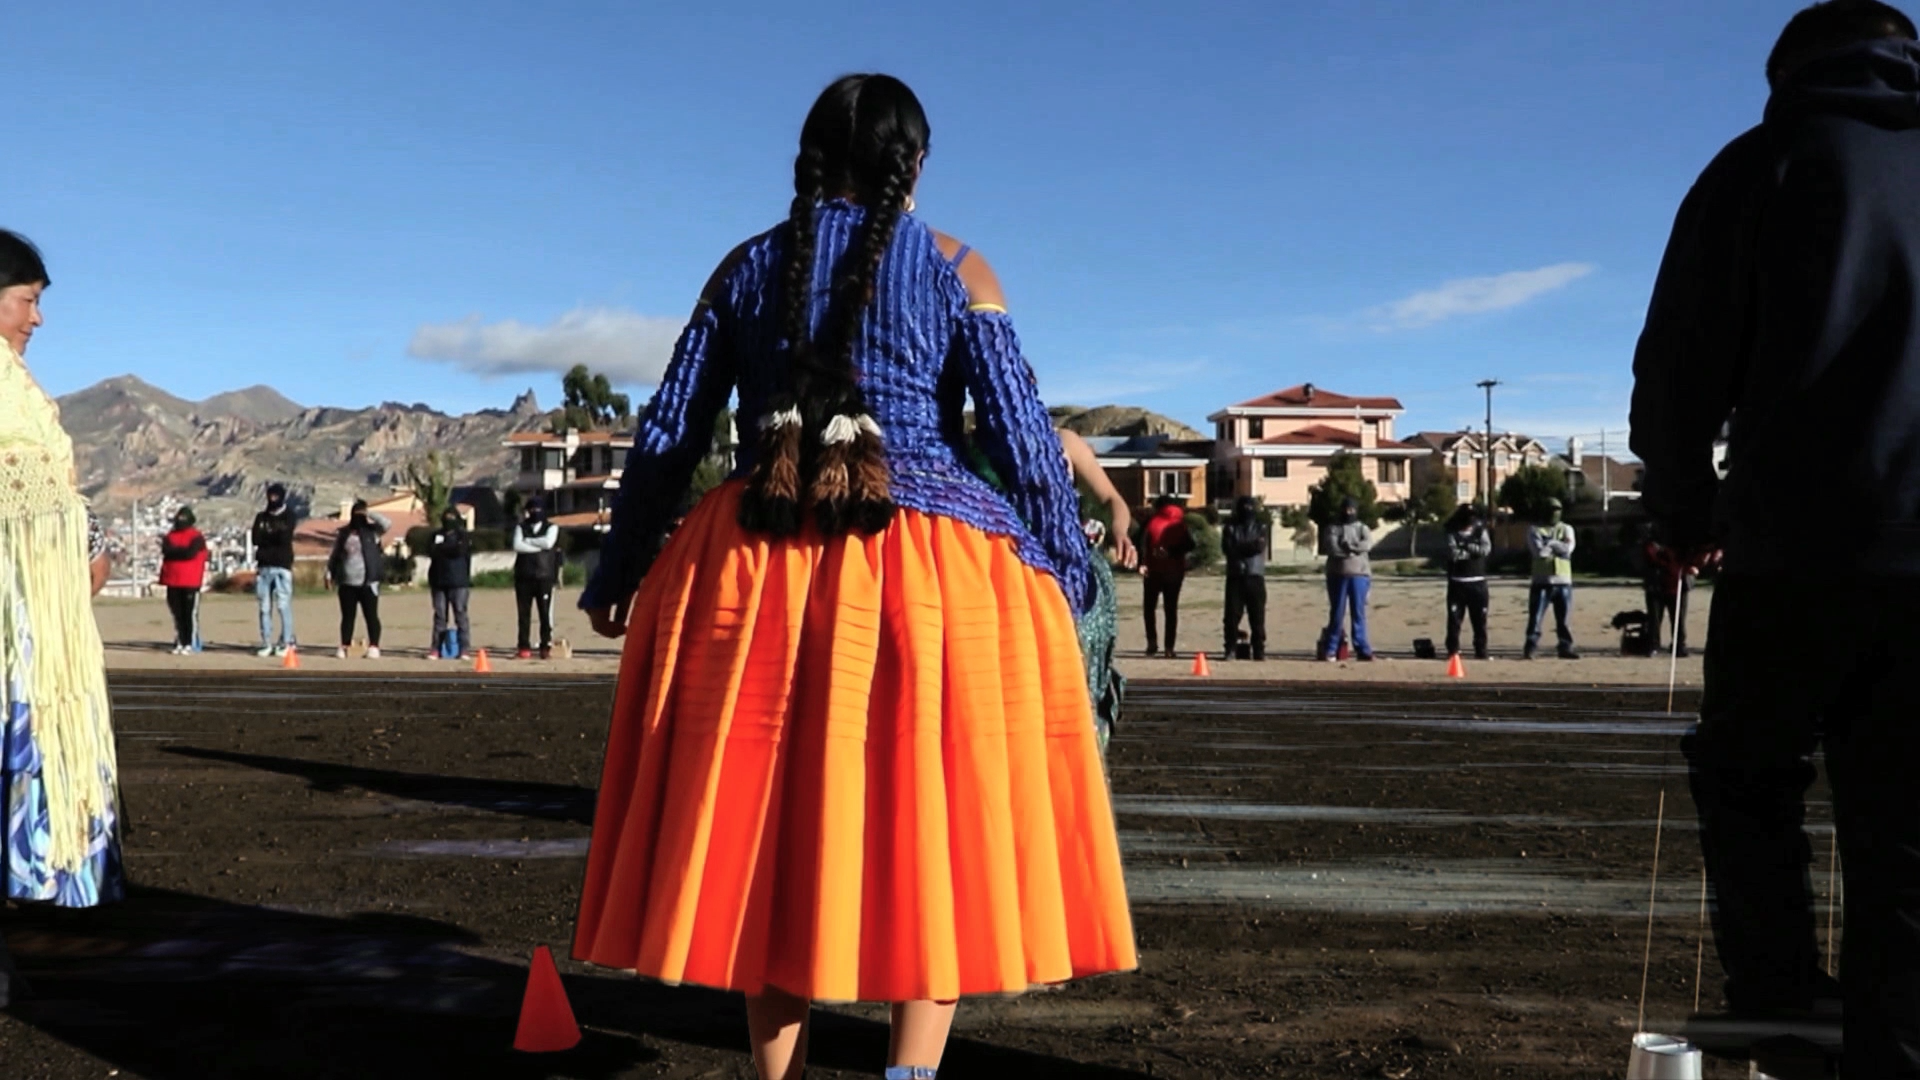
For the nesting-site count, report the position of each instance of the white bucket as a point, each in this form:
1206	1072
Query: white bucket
1663	1057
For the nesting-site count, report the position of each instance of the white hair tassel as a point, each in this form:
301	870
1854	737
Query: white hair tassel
788	417
868	425
840	429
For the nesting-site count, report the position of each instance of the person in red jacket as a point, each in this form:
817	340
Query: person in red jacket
183	570
1167	543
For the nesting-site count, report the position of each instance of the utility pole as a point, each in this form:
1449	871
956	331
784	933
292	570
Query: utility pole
1486	489
1606	478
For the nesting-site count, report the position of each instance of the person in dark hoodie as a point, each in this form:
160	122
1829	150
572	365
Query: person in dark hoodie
1789	303
1468	546
183	572
273	570
536	571
355	570
1244	543
450	577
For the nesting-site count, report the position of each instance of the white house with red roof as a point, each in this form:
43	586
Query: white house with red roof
1277	446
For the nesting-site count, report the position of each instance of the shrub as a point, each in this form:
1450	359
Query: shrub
1342	482
1528	491
397	571
1206	542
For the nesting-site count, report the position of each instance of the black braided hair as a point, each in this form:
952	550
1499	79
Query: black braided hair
864	140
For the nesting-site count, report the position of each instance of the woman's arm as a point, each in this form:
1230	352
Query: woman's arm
1087	470
675	432
1016	434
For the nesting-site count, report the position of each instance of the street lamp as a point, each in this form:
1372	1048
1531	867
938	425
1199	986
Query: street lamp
1486	489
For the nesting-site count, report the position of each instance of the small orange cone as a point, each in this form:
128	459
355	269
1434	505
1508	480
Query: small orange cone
291	661
546	1019
1200	665
481	664
1456	669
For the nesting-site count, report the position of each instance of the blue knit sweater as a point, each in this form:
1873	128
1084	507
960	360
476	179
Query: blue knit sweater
922	353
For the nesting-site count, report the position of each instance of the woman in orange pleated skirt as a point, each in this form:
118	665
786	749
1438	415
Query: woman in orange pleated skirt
852	756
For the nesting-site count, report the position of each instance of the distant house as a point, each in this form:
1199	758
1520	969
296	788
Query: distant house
576	472
1145	467
1604	479
1463	455
1276	447
313	538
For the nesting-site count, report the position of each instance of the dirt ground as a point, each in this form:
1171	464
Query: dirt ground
345	876
138	634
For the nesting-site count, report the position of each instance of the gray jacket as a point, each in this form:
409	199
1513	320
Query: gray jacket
1245	546
1345	544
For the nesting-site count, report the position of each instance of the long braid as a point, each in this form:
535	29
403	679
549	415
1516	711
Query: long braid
852	486
771	501
819	449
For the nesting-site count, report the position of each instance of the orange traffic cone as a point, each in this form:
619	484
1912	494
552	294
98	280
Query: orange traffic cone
546	1019
291	661
1200	665
1456	669
481	664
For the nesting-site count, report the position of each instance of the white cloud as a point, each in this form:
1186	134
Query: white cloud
626	346
1476	295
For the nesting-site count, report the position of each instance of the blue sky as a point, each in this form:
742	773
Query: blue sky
1189	205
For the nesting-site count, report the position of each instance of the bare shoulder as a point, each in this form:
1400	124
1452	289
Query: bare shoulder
983	286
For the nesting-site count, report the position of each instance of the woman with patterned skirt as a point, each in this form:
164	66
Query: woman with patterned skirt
851	756
60	843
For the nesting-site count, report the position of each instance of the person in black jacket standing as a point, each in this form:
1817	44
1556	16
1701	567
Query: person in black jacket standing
1789	303
355	570
1244	543
273	570
450	577
1468	546
536	570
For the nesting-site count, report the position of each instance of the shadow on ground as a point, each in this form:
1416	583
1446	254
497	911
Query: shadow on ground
525	798
170	986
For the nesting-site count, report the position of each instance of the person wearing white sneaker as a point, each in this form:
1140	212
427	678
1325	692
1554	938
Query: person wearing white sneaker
354	572
373	652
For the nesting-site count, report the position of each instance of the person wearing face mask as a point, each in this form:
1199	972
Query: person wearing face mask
1468	546
1551	544
354	572
273	573
1167	544
183	571
1349	579
451	578
1244	542
536	571
59	787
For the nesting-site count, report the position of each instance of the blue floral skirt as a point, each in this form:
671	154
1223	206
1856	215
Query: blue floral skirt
26	841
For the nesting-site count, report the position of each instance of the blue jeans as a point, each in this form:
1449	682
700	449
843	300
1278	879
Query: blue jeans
1540	597
274	585
1345	593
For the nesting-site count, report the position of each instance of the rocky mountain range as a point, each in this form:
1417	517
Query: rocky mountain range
135	442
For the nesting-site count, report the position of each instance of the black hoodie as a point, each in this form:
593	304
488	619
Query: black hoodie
1789	303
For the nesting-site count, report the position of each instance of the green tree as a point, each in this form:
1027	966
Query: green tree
432	479
1528	490
589	402
1434	503
1206	542
1298	520
1343	481
714	467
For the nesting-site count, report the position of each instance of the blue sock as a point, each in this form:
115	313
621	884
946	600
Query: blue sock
910	1072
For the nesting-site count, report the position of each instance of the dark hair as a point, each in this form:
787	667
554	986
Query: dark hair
20	262
184	517
276	489
1834	24
358	505
863	139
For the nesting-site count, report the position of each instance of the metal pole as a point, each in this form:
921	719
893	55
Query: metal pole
1486	490
1606	477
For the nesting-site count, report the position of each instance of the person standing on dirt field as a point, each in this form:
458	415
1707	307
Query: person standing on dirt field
1346	542
450	577
536	571
1167	543
1244	542
1668	582
183	572
273	570
1468	546
1788	303
1551	544
354	571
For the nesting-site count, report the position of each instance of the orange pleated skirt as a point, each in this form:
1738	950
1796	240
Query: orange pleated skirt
852	769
